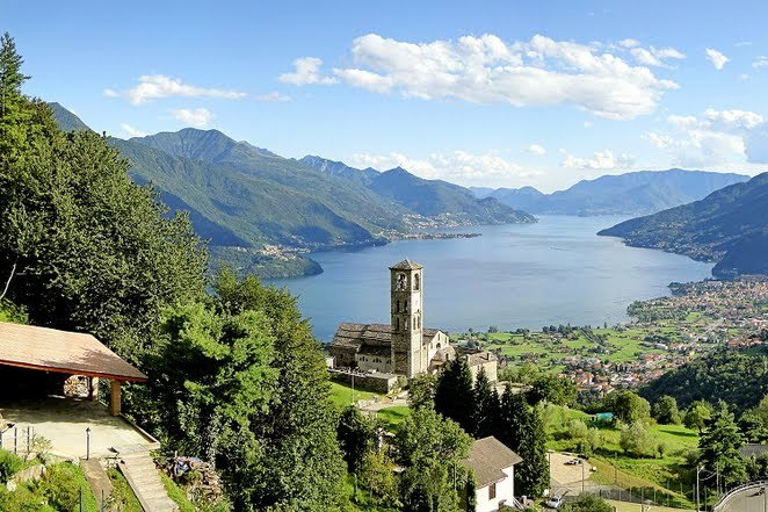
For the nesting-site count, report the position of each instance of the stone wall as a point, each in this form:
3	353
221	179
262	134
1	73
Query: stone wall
376	382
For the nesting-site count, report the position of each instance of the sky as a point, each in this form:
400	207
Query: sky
488	93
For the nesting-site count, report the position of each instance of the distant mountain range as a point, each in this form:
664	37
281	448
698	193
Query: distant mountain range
730	226
246	199
633	193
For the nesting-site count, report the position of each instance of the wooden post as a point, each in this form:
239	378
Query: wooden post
114	398
93	388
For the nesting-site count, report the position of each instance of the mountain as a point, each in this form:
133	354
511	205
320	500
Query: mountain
729	226
481	192
66	120
633	193
434	199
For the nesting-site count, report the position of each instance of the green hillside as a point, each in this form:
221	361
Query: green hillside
729	226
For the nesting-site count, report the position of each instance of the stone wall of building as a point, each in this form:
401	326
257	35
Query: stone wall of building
376	382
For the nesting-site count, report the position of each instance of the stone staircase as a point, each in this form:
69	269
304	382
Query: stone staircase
144	478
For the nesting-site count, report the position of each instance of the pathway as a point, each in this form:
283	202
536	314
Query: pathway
144	478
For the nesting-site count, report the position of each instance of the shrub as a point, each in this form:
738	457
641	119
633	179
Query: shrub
588	503
637	441
10	464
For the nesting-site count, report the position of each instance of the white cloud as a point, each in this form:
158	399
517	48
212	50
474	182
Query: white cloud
457	166
487	70
307	71
629	43
713	138
131	131
152	87
744	76
536	149
760	62
272	97
656	56
603	160
198	117
716	58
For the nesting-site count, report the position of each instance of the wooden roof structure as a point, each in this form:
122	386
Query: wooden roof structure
40	348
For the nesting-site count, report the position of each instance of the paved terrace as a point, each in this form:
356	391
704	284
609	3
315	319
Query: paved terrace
63	421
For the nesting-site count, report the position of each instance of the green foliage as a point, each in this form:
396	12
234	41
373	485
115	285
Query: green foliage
421	391
588	503
719	446
357	437
377	476
10	464
454	395
10	312
628	407
736	377
586	439
486	406
638	441
697	415
665	411
431	449
553	389
122	496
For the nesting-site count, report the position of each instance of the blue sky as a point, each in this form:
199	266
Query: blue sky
503	93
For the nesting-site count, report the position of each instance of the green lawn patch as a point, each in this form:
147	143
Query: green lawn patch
344	396
394	416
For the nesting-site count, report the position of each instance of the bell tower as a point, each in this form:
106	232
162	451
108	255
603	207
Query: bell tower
406	288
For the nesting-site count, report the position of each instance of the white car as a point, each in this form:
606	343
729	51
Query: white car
554	502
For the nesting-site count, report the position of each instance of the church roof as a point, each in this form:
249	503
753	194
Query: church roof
488	457
406	264
351	335
480	358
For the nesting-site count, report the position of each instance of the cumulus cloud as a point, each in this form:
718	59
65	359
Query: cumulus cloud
198	117
152	87
458	166
656	56
760	62
603	160
272	97
713	138
536	149
716	58
487	70
131	131
307	71
629	43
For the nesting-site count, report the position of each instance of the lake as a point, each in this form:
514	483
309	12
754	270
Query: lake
513	276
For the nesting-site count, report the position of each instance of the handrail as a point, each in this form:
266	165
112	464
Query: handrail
732	492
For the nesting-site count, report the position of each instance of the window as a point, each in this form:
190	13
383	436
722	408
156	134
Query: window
492	491
416	281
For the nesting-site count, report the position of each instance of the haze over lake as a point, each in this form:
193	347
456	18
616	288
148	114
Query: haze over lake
519	275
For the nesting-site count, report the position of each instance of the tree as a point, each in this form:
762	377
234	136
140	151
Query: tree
521	429
357	437
666	412
300	462
588	503
454	397
553	389
586	440
628	406
431	449
377	475
697	415
638	441
421	391
719	446
486	406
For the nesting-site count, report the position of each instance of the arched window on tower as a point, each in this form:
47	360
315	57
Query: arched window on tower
416	282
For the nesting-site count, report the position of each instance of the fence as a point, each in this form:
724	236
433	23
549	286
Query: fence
638	495
15	439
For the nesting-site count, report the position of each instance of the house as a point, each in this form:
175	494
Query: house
494	467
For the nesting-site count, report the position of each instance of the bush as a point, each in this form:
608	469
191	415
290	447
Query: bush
10	464
637	441
588	503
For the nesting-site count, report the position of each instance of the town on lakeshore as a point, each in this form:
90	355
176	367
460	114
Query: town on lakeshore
383	256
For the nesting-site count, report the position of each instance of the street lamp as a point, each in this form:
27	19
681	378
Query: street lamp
88	443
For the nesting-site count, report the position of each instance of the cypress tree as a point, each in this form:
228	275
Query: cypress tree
454	396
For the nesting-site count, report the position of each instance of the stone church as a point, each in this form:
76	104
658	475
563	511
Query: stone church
404	347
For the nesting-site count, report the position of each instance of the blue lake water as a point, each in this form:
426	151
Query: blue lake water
556	271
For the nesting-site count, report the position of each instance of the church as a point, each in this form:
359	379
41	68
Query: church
404	347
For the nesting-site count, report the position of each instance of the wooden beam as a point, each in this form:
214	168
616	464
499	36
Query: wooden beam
114	398
67	371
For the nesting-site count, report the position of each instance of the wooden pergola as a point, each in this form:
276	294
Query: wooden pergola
70	353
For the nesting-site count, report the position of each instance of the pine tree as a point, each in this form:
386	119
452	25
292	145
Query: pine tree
454	396
485	406
719	446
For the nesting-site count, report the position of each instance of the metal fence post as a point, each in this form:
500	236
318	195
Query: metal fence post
16	440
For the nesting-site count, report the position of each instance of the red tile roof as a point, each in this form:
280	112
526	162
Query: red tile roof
40	348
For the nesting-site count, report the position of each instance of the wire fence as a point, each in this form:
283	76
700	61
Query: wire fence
18	439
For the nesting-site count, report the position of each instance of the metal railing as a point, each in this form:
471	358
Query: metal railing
15	438
762	484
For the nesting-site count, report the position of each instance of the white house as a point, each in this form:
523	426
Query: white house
494	467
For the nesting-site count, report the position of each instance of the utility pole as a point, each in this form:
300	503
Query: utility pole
698	470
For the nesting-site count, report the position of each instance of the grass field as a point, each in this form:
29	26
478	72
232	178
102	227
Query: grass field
394	416
343	396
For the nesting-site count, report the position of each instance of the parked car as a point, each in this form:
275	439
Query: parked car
555	502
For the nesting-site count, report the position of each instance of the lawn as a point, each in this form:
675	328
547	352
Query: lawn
343	396
394	416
